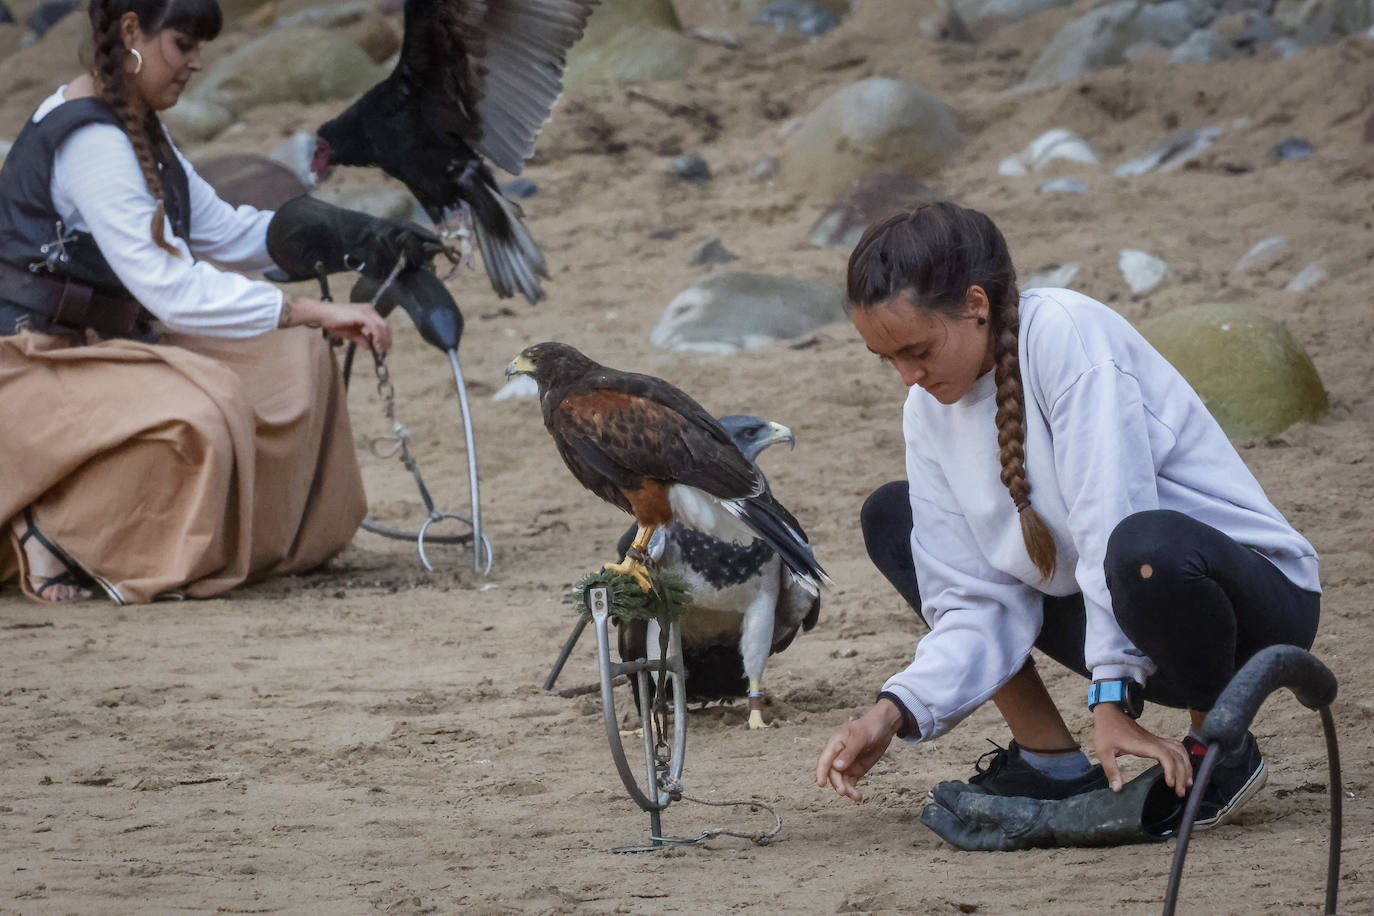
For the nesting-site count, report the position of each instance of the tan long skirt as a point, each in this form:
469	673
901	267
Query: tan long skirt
182	468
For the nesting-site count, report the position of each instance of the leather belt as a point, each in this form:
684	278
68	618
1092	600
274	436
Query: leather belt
70	303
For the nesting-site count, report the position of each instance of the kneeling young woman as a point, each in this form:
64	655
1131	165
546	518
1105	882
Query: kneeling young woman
1066	490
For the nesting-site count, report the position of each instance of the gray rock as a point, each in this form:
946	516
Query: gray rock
1100	38
1046	148
980	18
197	120
1291	148
1170	153
715	36
1307	278
1253	376
873	123
49	14
292	65
1063	185
764	169
691	168
6	17
1264	255
1141	271
729	312
809	19
1202	47
520	189
253	180
387	203
876	195
711	251
1051	278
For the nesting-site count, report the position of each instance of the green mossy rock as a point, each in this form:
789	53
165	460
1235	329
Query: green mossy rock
629	40
1250	372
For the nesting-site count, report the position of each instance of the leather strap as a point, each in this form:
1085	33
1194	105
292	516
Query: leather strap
69	303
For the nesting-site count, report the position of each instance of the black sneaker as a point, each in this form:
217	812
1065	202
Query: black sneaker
1006	772
1235	780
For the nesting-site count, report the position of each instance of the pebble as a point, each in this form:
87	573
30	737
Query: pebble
810	19
1141	270
691	168
1291	148
711	251
1063	186
520	189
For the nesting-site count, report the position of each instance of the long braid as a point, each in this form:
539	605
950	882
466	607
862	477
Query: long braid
108	71
1011	434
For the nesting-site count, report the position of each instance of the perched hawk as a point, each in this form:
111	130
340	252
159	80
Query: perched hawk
474	82
746	604
645	446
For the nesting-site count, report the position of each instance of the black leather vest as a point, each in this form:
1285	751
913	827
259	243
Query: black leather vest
32	235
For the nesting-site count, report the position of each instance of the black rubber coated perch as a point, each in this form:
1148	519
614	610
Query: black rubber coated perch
1224	730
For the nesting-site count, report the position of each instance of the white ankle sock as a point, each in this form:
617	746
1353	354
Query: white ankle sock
1058	766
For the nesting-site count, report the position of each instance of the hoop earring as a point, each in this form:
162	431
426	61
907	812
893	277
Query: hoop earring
138	61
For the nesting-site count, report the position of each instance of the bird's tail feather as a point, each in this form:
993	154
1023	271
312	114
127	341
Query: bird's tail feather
512	259
772	527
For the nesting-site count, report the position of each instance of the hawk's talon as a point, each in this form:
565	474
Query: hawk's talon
632	568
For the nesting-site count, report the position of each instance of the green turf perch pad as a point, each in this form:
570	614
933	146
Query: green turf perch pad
668	598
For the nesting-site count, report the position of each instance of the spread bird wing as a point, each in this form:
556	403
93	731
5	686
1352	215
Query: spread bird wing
488	72
625	437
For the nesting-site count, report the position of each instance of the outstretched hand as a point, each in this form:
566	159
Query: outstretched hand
855	747
1116	734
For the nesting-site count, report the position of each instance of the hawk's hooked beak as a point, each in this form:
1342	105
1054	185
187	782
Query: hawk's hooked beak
521	365
779	433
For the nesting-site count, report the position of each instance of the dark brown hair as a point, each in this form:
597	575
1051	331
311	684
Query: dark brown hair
199	19
934	255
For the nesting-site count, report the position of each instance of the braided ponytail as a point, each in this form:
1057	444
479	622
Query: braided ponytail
201	19
937	253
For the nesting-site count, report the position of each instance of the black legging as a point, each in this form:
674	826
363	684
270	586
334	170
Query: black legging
1208	605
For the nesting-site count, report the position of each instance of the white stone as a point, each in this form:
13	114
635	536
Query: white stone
1063	185
522	386
1307	278
1057	143
1055	278
1141	270
1170	153
1263	255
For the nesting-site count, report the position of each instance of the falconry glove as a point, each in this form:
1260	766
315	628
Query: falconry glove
307	236
1145	810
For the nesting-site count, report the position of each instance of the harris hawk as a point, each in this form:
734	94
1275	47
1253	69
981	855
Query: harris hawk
746	605
643	445
474	83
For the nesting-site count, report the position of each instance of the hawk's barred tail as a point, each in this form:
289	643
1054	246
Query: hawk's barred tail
772	527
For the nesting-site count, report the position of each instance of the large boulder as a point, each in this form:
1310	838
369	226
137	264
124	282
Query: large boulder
289	65
242	178
1100	38
639	40
875	196
1250	372
729	312
870	124
197	120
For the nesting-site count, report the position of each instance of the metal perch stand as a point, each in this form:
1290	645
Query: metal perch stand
1224	730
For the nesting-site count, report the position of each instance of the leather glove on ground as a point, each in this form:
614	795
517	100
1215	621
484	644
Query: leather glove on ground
1145	810
305	232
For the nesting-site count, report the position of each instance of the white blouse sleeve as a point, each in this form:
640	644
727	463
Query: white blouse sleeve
233	237
97	182
983	622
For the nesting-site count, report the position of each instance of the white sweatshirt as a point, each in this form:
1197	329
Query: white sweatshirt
98	187
1111	429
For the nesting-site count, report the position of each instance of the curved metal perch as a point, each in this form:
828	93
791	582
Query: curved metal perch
1224	729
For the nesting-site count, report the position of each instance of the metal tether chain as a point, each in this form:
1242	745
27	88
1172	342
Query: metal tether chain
400	435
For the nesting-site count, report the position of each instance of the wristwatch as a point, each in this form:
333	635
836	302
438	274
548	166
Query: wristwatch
1124	693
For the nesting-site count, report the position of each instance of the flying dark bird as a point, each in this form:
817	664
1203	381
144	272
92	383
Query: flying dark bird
645	446
746	604
475	81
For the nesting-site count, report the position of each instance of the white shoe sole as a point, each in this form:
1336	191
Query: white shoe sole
1247	792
